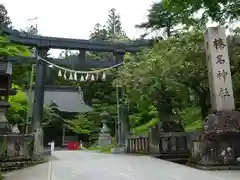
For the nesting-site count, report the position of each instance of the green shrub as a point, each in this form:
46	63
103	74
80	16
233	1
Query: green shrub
144	129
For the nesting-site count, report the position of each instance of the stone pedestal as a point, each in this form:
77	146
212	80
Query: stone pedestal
38	142
5	127
219	146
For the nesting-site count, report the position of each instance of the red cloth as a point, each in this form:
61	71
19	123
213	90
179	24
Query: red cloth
72	146
76	145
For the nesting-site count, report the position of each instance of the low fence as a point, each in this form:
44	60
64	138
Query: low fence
137	145
173	145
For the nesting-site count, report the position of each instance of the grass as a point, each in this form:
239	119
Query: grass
198	124
106	149
191	120
144	129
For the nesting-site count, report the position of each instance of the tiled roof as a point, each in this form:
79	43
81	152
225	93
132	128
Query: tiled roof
67	99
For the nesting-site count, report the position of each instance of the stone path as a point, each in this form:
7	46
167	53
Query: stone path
87	165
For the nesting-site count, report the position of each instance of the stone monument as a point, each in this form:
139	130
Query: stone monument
219	144
104	137
219	74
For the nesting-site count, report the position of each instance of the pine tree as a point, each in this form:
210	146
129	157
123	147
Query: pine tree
4	18
32	30
114	25
99	32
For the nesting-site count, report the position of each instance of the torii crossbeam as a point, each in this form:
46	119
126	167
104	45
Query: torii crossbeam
43	44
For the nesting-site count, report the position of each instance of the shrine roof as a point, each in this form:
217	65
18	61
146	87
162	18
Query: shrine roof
67	99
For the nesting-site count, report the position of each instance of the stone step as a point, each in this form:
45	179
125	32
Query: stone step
10	165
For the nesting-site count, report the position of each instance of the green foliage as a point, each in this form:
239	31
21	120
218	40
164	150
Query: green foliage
161	19
18	107
101	95
144	128
50	115
8	48
105	150
218	10
142	115
99	32
111	31
172	76
18	103
31	30
87	124
114	25
191	118
148	79
169	79
80	125
4	18
21	70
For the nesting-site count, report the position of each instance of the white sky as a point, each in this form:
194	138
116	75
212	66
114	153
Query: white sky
76	18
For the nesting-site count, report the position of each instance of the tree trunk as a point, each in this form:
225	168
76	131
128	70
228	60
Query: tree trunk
166	117
168	30
203	102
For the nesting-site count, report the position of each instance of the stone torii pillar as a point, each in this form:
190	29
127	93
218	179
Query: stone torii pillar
219	73
39	91
123	126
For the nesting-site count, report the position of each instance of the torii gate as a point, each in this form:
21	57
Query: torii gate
43	44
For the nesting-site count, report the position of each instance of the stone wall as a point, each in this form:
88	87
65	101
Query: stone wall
219	149
15	145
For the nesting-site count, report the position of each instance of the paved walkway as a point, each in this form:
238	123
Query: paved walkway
86	165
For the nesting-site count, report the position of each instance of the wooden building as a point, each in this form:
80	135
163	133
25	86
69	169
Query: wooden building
68	102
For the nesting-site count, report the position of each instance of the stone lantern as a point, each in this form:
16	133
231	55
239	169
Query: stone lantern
5	91
104	136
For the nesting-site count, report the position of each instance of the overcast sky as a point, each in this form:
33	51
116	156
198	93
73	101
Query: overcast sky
76	18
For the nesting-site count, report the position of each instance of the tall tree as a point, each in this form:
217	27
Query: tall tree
218	10
170	23
114	25
173	75
4	18
17	110
31	30
160	19
99	32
